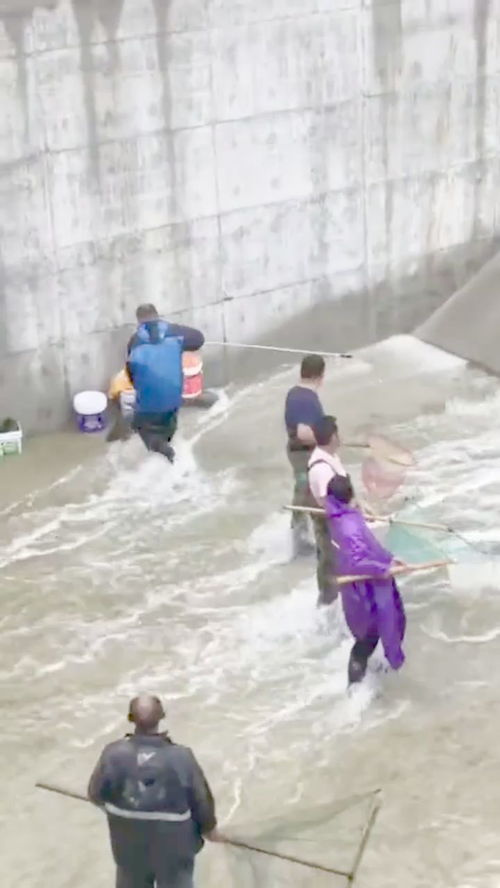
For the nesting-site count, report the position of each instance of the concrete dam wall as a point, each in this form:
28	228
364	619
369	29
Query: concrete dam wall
235	162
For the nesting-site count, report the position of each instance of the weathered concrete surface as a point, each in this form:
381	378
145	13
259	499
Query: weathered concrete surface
468	324
284	153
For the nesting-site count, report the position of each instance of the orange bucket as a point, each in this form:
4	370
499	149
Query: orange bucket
192	366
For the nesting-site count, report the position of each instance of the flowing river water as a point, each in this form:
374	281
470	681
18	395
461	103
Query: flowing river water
121	574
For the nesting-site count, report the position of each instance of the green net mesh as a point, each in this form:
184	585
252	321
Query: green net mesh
416	544
330	839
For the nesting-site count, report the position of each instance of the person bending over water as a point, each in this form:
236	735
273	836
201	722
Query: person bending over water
154	367
373	608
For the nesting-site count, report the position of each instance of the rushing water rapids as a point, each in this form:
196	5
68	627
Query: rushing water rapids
121	574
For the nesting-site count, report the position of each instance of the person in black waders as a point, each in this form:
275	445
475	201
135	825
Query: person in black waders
154	366
303	409
158	803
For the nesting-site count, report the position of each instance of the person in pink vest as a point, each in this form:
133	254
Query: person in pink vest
324	463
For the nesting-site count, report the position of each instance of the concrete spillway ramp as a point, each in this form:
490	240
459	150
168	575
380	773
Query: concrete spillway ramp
468	324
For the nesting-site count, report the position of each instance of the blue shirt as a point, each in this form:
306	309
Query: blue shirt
302	406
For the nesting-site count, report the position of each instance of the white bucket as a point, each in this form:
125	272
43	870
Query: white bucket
90	408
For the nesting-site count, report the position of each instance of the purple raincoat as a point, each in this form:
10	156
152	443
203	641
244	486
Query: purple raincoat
371	608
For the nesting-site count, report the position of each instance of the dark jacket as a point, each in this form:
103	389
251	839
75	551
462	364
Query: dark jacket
156	797
192	339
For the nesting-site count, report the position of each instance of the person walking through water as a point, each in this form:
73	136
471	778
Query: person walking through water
157	800
154	367
303	410
324	463
373	608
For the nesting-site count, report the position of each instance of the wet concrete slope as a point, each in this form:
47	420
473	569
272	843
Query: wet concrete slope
468	324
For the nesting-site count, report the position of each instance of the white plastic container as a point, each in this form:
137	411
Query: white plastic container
127	403
11	442
90	409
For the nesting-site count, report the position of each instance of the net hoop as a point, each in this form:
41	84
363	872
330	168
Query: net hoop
387	451
382	479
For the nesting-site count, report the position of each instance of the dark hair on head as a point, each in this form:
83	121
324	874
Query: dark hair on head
341	488
146	312
312	367
325	429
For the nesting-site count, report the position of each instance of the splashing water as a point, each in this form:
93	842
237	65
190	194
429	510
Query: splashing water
120	573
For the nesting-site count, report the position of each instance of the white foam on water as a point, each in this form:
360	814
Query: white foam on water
271	539
220	408
154	478
31	498
353	367
408	353
216	415
278	639
227	631
152	484
484	638
135	476
28	551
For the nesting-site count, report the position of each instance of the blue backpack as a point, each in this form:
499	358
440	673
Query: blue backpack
156	365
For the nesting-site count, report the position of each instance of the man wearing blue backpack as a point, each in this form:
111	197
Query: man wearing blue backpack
154	366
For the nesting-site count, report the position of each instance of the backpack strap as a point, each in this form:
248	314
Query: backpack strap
318	462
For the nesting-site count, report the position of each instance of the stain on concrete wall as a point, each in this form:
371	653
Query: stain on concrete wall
387	43
482	10
84	16
15	16
4	340
387	40
162	15
109	14
14	25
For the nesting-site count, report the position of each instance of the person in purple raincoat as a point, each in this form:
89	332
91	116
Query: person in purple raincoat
373	609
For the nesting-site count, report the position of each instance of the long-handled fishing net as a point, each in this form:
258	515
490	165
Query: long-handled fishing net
385	467
276	348
408	534
329	840
320	846
385	450
413	539
426	545
386	464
